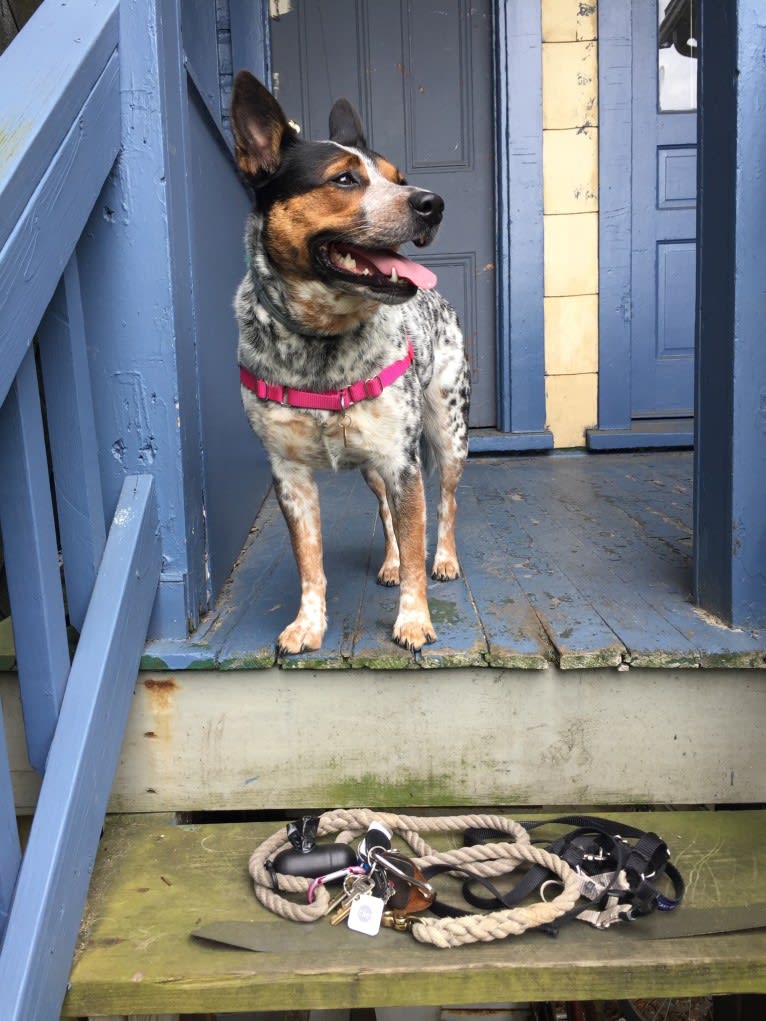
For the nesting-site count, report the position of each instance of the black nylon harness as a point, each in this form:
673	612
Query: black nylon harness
620	867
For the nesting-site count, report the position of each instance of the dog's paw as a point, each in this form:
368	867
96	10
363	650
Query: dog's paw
388	574
412	632
446	568
299	636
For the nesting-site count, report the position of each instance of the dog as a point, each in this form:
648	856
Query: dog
348	356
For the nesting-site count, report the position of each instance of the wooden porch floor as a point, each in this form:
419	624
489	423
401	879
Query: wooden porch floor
581	561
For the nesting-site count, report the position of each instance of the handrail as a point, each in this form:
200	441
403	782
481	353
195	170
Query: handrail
46	74
59	136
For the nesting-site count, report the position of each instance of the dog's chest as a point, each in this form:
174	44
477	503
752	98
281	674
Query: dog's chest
367	432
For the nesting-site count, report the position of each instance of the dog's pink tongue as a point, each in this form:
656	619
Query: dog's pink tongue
385	261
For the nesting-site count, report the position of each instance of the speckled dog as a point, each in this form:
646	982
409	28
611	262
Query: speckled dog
347	354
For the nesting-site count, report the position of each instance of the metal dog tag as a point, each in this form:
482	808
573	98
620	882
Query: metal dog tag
366	913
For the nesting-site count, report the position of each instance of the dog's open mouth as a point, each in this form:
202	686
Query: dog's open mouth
379	269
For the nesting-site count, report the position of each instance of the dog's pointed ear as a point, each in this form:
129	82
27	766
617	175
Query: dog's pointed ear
345	126
260	128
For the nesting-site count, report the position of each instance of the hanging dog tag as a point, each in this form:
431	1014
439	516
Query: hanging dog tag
344	422
366	913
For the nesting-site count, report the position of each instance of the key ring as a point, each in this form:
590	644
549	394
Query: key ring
377	855
352	870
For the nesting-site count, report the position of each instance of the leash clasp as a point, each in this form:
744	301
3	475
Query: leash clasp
401	923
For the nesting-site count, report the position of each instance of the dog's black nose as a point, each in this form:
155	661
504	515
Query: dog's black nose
428	205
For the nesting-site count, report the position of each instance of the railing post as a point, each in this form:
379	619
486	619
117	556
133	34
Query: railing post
72	438
730	470
135	271
10	851
31	562
53	881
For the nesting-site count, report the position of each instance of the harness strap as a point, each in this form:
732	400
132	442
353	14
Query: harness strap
611	870
328	400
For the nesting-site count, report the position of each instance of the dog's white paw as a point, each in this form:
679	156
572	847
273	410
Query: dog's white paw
413	631
300	636
446	568
388	574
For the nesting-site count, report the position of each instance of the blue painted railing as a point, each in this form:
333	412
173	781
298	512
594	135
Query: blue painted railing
68	572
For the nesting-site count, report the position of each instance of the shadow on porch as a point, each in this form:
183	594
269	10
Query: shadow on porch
581	561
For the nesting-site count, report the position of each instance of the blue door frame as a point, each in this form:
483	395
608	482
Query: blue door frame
730	442
519	228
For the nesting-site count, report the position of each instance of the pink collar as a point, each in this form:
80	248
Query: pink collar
328	400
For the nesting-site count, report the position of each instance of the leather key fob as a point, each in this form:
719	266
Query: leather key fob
407	898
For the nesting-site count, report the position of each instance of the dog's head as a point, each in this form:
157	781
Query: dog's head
334	210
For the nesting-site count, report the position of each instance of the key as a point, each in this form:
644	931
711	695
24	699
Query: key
342	913
336	902
353	886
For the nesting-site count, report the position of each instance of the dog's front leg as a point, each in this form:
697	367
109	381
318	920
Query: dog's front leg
298	497
406	498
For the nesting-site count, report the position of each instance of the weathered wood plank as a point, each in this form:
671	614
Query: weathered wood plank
135	953
478	736
656	493
53	880
258	604
264	594
348	510
599	566
583	561
202	651
460	640
578	634
460	636
662	573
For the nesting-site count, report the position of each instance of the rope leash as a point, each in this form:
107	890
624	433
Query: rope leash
486	860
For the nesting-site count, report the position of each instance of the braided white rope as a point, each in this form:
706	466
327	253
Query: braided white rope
484	859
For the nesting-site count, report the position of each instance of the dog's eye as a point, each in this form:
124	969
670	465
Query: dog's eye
347	179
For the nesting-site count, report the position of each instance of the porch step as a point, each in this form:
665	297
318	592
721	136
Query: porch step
579	561
155	881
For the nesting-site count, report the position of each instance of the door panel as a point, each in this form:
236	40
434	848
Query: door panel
420	75
664	189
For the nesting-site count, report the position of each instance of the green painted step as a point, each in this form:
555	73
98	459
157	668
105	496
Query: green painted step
155	881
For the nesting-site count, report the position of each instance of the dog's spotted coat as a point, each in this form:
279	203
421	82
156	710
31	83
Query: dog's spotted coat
324	213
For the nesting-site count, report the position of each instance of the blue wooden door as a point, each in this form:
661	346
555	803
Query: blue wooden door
420	75
664	185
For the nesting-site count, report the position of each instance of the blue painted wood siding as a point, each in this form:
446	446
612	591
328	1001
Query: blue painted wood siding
62	131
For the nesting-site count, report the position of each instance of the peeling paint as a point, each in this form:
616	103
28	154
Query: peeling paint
123	517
